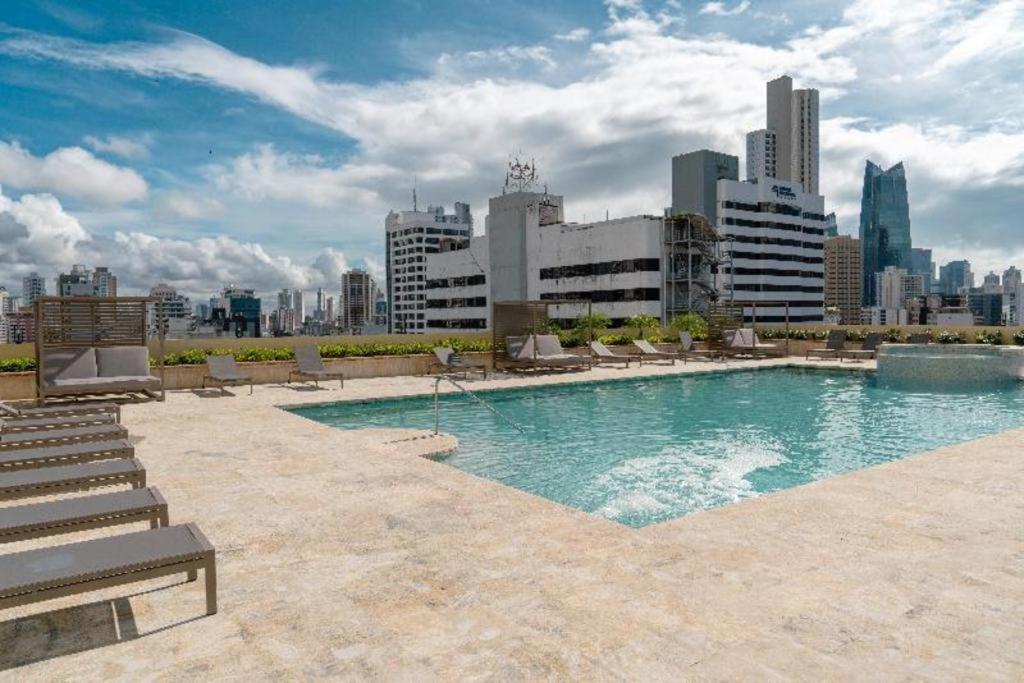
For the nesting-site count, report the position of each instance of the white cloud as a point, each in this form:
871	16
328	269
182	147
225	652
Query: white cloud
576	35
719	9
39	234
452	63
70	172
129	148
306	179
189	207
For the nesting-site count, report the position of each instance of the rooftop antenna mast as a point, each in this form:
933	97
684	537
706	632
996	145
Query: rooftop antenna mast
414	206
520	176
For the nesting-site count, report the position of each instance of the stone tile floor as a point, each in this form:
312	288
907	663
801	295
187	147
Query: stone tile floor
344	554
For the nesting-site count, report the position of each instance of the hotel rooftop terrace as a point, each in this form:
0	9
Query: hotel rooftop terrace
348	554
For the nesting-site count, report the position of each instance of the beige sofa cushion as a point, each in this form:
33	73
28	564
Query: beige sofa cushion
61	364
123	361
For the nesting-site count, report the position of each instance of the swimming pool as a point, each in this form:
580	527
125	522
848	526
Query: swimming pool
648	450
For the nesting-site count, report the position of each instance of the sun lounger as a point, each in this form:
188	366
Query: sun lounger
602	354
310	366
835	343
688	349
223	372
48	481
449	361
11	414
541	351
48	423
64	454
869	349
36	520
919	339
649	353
37	575
745	341
52	437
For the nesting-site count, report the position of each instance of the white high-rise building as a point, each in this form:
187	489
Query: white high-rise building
792	116
895	286
33	286
409	237
774	249
358	294
104	283
761	154
299	306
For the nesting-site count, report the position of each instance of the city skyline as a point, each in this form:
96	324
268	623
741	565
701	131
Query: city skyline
201	152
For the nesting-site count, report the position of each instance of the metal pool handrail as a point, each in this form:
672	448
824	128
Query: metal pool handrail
485	404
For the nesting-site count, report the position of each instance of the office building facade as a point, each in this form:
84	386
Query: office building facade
956	277
842	278
694	181
761	150
409	237
774	240
921	263
458	286
33	286
884	224
790	137
104	283
358	292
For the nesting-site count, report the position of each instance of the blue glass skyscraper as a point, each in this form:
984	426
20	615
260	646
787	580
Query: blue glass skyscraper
884	224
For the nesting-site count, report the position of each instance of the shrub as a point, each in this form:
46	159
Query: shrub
994	337
947	337
693	323
893	336
592	324
1018	338
17	364
616	339
643	322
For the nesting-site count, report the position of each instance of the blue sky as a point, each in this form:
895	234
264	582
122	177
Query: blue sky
263	142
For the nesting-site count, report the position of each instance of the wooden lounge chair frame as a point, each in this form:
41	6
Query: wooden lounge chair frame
310	355
443	363
833	346
48	481
127	558
601	355
65	454
68	515
42	438
651	353
12	415
240	378
693	352
869	349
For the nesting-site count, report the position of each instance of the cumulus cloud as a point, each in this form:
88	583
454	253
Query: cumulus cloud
189	207
461	63
39	234
118	145
719	9
70	172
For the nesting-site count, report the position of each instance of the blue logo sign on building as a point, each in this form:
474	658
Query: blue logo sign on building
783	192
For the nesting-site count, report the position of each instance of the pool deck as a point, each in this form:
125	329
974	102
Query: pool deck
343	554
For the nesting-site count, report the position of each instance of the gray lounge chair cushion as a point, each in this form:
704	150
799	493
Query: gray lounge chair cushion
308	359
123	361
548	345
62	364
224	368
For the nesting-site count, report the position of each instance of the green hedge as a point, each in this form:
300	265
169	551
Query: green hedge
255	355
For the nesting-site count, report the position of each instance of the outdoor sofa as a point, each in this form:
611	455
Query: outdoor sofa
745	342
93	371
540	351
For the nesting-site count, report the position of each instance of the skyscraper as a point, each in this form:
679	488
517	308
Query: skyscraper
842	278
790	138
299	306
358	292
76	283
104	283
922	264
695	177
761	151
884	224
32	286
955	276
1011	279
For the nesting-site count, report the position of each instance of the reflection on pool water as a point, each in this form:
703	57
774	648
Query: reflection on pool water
648	450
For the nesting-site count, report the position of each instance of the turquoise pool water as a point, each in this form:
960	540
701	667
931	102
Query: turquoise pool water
645	451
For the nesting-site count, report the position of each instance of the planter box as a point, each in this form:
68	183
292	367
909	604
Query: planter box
21	385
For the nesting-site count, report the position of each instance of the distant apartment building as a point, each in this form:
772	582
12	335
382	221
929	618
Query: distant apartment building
329	315
176	309
986	307
7	302
921	263
358	293
33	286
842	278
77	282
956	277
896	286
990	284
761	151
457	286
884	225
787	148
410	236
237	312
104	283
